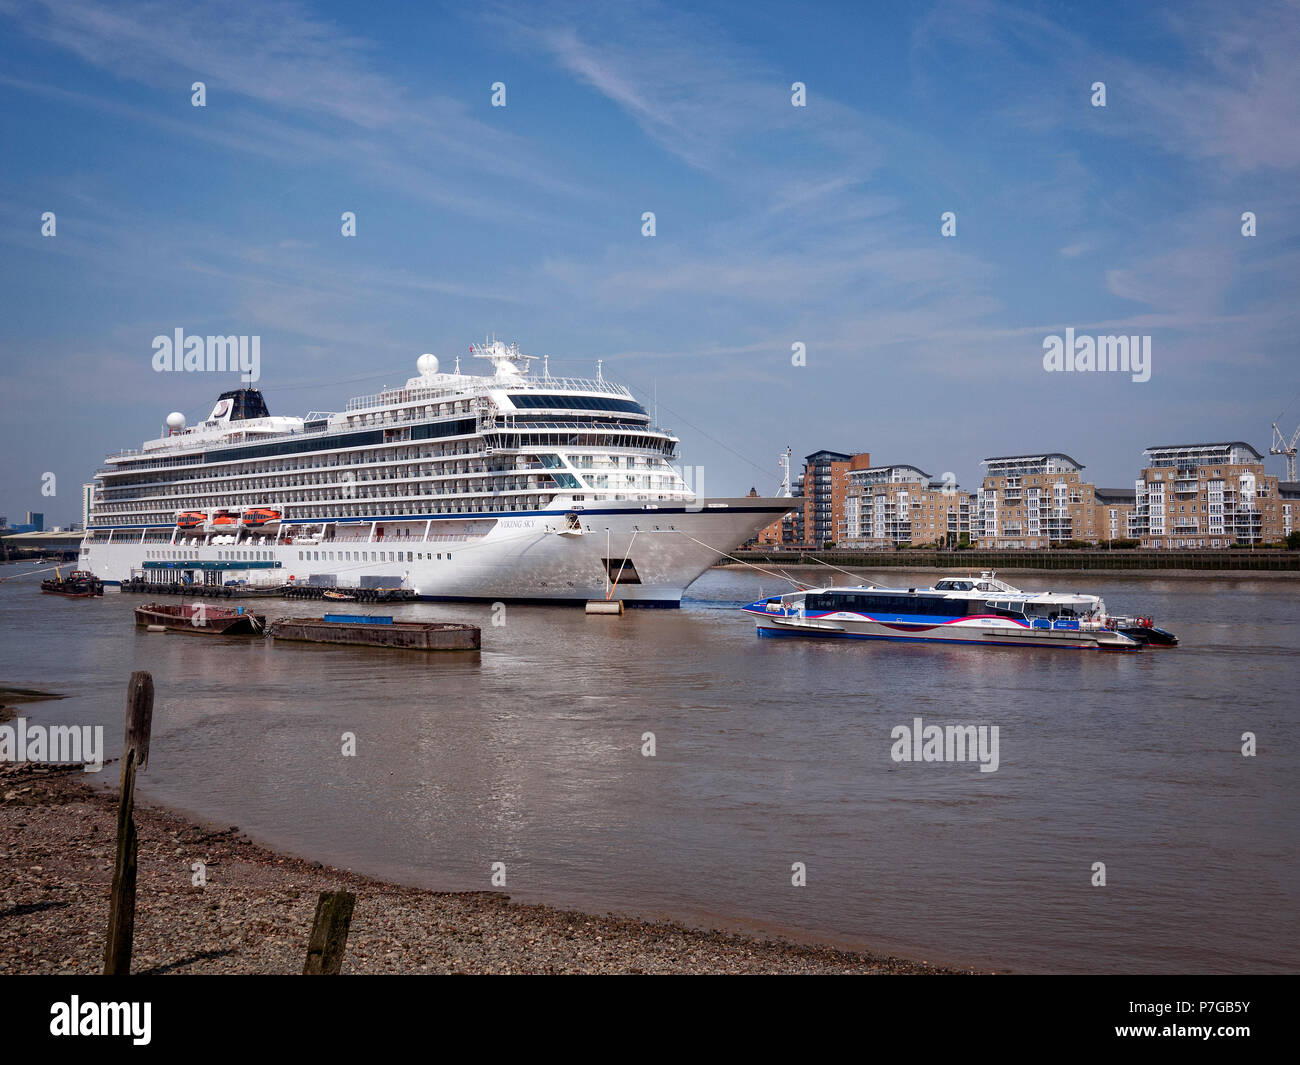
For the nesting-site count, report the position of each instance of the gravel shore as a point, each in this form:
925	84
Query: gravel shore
58	839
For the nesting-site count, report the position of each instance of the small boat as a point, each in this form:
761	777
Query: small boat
191	519
1144	630
202	618
261	517
79	584
981	610
341	596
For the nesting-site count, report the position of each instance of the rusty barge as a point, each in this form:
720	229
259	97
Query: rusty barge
365	630
201	618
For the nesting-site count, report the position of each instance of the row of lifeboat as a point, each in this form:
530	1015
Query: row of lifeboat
252	518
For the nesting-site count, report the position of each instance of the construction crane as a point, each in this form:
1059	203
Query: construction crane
1284	447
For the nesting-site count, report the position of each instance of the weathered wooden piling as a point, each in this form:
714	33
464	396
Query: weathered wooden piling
135	758
329	933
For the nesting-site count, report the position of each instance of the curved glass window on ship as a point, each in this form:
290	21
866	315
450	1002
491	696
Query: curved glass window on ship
898	605
524	400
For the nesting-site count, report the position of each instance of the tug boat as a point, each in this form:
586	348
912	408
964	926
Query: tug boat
77	585
1144	630
202	618
981	610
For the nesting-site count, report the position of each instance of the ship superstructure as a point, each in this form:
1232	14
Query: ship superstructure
512	485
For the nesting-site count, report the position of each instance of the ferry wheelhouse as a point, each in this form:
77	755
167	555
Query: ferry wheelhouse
981	609
508	485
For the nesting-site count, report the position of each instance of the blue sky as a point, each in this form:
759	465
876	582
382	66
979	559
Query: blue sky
775	224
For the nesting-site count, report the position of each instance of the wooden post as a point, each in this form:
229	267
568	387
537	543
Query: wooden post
135	756
329	933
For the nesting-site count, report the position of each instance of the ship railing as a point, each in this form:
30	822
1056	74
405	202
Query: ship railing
167	455
395	396
524	427
439	538
574	384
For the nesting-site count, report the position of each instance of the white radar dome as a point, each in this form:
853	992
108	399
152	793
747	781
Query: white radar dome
176	420
427	364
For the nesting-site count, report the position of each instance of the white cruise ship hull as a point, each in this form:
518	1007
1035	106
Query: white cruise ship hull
535	556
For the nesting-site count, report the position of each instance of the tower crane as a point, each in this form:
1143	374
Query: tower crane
1287	448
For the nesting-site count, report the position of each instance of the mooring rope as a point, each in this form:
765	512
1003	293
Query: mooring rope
743	562
25	573
853	575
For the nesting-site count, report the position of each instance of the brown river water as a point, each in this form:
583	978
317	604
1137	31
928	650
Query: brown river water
767	753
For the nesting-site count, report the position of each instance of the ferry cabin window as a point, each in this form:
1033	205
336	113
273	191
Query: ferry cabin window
870	603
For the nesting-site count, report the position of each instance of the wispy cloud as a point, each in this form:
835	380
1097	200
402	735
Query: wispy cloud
286	84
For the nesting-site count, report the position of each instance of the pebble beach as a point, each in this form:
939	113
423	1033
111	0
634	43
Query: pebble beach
254	910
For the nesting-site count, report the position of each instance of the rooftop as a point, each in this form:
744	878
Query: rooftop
1204	447
1032	458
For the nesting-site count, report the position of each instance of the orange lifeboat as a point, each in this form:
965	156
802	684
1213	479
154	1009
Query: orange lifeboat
191	519
223	519
261	516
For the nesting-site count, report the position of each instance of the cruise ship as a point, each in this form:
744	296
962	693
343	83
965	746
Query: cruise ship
508	485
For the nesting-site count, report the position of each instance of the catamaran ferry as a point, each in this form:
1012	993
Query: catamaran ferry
956	610
512	485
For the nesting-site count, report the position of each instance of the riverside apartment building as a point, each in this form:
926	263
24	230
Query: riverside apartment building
892	506
819	495
1207	495
1035	501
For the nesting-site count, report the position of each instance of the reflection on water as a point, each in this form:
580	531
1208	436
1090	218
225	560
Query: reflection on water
768	752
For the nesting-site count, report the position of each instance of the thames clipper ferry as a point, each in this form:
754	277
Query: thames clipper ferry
981	610
512	485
